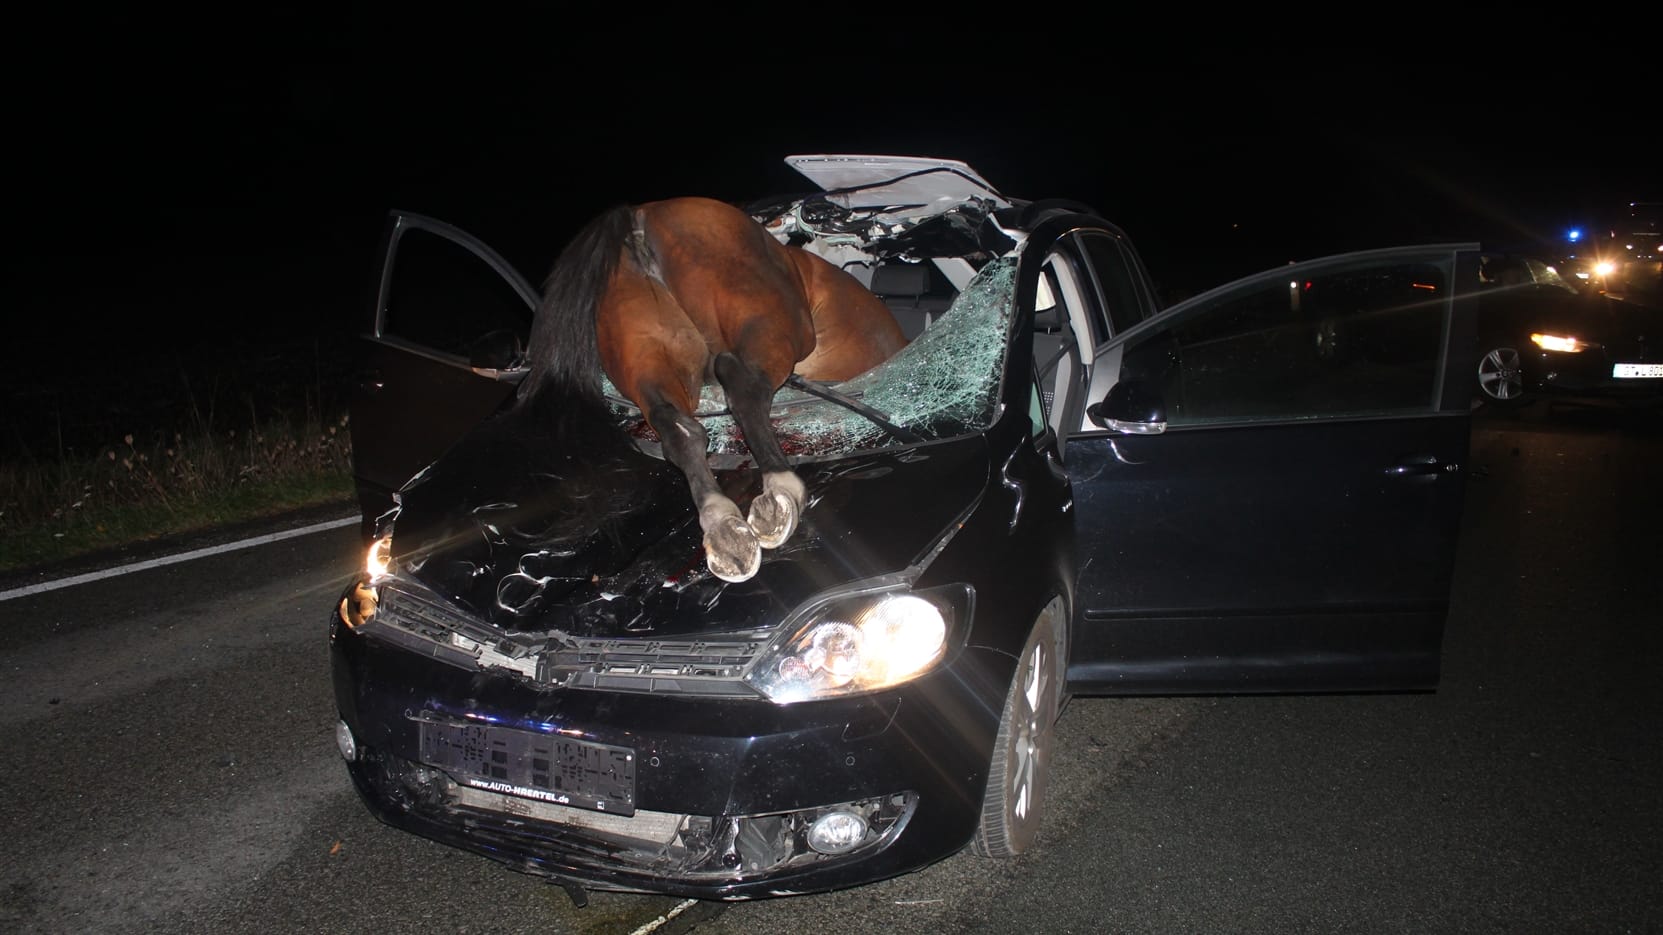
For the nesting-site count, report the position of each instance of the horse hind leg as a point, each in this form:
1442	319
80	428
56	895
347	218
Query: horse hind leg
776	510
732	550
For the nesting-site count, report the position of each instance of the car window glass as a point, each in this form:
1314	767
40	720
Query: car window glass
1036	409
1117	281
1062	338
1544	274
443	297
1348	340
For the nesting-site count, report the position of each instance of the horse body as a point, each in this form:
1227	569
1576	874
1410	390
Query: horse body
669	295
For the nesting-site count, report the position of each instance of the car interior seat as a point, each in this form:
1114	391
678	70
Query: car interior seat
912	293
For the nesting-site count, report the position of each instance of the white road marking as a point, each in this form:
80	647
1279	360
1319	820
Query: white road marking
171	559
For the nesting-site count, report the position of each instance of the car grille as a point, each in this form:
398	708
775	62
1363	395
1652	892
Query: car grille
710	666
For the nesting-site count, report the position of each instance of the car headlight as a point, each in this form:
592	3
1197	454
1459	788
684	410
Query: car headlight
378	561
871	639
359	604
1564	343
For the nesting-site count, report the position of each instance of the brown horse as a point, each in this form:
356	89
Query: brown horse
666	296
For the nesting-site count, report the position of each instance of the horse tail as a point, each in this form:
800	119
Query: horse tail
562	348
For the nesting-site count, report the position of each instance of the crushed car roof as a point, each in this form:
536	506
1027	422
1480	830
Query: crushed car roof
913	185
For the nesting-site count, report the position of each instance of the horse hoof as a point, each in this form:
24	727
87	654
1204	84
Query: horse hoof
732	551
773	518
774	512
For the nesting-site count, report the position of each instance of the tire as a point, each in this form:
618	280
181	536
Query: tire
1013	805
1501	377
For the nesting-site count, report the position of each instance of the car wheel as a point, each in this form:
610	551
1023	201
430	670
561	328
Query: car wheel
1500	377
1015	798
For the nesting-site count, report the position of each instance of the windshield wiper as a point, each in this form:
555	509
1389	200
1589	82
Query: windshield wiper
877	418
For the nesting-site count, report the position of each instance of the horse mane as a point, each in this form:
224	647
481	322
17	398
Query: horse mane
562	348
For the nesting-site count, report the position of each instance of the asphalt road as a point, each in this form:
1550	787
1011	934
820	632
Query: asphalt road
170	765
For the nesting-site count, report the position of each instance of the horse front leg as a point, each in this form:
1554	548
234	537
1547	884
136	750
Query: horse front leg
776	511
732	550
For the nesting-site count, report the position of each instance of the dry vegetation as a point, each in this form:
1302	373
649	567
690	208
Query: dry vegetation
132	492
175	454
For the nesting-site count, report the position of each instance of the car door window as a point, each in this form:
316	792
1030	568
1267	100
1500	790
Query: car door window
1333	339
1125	305
1062	339
445	298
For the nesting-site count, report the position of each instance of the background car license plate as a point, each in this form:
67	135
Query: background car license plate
1636	371
547	767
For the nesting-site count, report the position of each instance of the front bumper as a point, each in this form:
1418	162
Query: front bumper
1589	374
723	789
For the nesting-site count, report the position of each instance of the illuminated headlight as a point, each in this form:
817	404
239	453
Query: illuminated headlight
1604	268
1559	342
852	643
379	560
359	605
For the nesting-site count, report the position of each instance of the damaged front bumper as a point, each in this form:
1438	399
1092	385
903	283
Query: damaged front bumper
690	794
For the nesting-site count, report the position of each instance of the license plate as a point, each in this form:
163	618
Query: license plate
533	765
1637	371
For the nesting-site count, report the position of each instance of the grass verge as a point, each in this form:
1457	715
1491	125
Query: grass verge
133	491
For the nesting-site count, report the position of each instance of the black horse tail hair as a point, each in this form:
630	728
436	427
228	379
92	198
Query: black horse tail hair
562	348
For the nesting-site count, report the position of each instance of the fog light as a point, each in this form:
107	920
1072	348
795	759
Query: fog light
837	832
344	742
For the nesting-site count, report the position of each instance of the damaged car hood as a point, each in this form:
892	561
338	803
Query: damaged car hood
550	520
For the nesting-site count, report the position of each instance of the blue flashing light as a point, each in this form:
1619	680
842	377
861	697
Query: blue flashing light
1573	235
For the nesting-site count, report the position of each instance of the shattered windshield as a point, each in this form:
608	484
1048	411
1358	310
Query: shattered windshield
944	383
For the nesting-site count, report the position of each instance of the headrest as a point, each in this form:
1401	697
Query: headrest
911	279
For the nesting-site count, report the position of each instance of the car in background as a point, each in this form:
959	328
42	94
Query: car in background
1542	335
1057	488
1626	258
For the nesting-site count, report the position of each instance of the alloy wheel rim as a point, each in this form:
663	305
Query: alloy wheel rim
1499	376
1034	698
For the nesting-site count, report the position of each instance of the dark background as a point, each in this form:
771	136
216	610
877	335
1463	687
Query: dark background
198	188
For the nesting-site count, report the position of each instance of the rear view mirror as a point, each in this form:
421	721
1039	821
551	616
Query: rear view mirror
1133	407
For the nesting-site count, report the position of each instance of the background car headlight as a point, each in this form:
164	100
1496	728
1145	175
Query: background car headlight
1559	342
853	643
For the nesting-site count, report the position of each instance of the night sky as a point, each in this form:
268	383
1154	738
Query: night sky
179	182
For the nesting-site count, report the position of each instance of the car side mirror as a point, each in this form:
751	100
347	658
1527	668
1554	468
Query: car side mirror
1133	407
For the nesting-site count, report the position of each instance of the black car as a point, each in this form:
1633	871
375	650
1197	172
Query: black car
1542	335
1088	494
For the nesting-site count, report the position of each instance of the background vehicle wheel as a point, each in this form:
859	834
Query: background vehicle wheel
1015	799
1500	377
